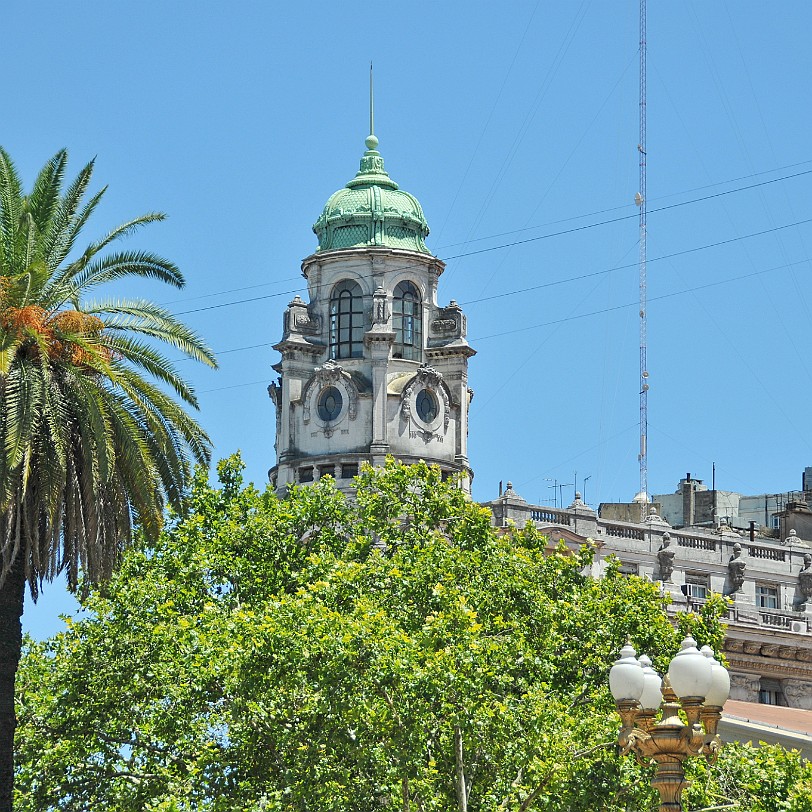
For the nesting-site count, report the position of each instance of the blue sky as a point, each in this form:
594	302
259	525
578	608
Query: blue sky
508	121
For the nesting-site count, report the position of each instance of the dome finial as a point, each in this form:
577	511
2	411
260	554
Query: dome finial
371	141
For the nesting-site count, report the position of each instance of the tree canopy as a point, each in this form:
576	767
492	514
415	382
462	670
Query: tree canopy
323	653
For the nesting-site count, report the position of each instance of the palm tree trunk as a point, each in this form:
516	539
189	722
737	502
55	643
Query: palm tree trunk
12	594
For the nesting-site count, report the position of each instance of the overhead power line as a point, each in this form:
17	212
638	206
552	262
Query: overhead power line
533	287
558	222
651	299
556	321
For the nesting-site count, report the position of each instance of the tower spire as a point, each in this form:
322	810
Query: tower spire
371	103
371	140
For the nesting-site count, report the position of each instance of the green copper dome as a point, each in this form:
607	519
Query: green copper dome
371	211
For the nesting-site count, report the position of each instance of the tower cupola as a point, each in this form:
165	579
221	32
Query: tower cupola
371	211
372	365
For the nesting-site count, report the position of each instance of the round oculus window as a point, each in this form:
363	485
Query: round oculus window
330	403
427	406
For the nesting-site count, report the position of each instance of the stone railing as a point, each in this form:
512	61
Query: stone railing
622	531
549	515
776	619
767	553
695	542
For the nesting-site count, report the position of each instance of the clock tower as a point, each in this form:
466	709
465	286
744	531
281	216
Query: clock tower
371	364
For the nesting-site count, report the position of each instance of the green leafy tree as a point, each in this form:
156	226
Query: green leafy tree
91	441
751	779
317	653
390	652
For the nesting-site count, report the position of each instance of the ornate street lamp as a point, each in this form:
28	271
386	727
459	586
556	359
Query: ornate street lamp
697	683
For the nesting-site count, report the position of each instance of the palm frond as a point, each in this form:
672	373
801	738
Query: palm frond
144	356
149	398
20	393
44	198
66	223
10	204
147	318
130	263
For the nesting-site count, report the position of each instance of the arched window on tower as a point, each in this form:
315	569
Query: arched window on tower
346	320
407	319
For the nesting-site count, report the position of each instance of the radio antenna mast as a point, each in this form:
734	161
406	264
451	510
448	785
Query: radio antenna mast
640	199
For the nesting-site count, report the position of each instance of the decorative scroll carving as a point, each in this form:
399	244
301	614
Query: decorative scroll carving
744	687
426	377
406	403
798	693
334	374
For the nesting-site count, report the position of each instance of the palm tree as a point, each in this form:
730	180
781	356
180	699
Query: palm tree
91	443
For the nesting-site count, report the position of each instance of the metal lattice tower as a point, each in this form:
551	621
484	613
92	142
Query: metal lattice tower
640	199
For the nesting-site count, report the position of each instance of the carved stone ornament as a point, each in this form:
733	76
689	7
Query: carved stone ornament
299	318
275	393
736	567
745	687
805	578
426	377
330	374
798	693
380	307
305	323
429	376
450	321
665	558
444	325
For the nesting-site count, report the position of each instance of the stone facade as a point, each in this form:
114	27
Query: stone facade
769	580
371	364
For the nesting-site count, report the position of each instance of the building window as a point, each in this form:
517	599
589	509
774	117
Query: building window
346	320
407	320
766	596
349	470
628	568
770	692
427	406
327	470
306	474
696	586
330	403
